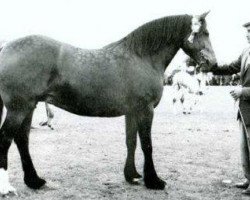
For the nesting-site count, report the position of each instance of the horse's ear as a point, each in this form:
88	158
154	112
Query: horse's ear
203	16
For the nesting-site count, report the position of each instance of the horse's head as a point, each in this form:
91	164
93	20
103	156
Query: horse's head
197	44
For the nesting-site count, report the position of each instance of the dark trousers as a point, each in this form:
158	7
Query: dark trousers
245	149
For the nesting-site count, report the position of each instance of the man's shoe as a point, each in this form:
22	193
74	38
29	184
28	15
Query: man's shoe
243	185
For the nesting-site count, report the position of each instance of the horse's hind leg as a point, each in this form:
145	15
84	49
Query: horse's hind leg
50	116
31	178
130	173
8	131
5	142
144	121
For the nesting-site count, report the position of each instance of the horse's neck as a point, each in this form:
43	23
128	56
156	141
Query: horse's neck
161	60
158	61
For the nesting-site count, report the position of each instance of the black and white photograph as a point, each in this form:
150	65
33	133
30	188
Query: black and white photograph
125	100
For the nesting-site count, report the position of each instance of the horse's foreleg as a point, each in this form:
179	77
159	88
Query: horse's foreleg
144	121
183	101
189	102
175	99
31	178
130	173
8	131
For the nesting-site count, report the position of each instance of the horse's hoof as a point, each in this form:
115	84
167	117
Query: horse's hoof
43	123
136	181
155	183
137	175
134	178
51	186
51	127
34	183
7	190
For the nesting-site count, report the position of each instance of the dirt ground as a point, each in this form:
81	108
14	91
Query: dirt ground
83	158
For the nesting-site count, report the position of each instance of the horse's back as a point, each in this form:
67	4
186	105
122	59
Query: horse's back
104	82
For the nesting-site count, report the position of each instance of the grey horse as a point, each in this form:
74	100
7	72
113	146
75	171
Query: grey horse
122	78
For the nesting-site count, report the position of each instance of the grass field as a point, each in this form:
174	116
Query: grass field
83	158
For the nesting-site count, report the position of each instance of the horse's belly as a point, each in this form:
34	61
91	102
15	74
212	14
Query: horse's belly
91	106
101	108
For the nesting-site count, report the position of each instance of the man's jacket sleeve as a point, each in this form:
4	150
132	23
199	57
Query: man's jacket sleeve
246	93
230	69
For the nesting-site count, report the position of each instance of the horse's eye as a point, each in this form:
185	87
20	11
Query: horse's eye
206	33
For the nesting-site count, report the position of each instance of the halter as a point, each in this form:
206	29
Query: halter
195	27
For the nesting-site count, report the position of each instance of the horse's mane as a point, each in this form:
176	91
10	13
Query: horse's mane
153	36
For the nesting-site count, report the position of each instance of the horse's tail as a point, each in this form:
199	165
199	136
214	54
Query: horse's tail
1	110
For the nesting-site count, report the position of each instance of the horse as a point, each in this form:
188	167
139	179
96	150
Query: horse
187	90
189	85
122	78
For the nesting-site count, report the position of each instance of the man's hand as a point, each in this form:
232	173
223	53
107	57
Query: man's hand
236	93
206	69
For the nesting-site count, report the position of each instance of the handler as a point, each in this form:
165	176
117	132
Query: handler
242	93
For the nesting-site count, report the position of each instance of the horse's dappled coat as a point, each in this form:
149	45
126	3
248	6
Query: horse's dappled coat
123	78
